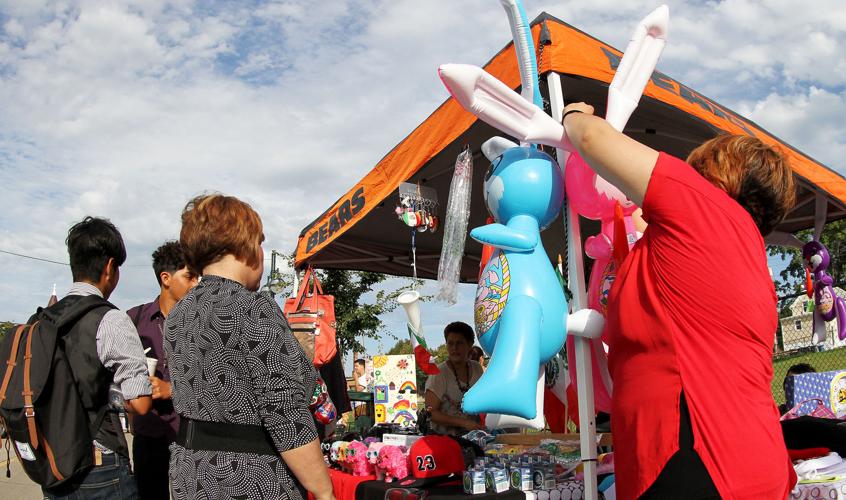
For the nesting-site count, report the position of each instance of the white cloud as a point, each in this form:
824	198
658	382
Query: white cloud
128	108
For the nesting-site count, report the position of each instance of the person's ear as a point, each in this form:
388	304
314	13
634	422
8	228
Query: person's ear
165	277
108	270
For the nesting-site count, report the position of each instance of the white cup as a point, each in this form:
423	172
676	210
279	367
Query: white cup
151	366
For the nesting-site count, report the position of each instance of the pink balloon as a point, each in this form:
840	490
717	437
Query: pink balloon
589	194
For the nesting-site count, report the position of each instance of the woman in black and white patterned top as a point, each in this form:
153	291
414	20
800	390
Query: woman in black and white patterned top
240	379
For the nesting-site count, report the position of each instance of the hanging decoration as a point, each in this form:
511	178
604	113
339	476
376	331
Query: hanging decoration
455	228
417	209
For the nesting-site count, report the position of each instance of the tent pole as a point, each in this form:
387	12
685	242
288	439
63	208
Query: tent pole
576	275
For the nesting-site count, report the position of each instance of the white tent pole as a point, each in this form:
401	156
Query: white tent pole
576	274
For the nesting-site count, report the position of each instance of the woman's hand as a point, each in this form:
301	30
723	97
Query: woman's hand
161	389
580	107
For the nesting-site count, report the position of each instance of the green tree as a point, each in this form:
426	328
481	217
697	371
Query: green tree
5	326
401	347
356	318
440	353
791	280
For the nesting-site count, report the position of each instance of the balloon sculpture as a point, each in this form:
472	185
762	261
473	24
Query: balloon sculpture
827	305
521	311
512	311
594	198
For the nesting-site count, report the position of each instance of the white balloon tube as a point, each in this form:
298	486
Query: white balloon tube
410	301
497	421
639	61
499	106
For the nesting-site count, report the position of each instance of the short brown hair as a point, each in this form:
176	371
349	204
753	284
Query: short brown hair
214	225
461	328
756	175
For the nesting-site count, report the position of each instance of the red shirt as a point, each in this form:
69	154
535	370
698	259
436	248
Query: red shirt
694	308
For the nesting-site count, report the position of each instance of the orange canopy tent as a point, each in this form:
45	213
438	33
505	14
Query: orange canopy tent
361	231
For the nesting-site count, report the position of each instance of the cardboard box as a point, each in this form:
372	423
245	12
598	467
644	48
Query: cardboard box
830	387
400	439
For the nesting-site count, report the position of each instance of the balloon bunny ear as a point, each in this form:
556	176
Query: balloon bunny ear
495	146
639	60
499	106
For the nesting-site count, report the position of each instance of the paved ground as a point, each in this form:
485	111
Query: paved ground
19	486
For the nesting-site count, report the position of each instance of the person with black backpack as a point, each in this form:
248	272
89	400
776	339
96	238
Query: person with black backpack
66	373
154	432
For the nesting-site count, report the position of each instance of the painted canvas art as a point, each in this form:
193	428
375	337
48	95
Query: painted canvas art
395	389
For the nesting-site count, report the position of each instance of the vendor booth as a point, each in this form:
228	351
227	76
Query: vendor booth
354	234
351	234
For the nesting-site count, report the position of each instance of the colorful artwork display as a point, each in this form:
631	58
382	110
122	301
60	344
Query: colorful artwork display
395	389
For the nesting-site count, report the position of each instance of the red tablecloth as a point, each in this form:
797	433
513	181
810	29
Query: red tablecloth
344	484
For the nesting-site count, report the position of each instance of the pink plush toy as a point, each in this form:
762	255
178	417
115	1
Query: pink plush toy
373	456
357	462
393	462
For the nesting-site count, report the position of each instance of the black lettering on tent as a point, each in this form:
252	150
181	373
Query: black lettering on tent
312	241
322	233
692	97
334	225
344	213
358	201
663	82
613	59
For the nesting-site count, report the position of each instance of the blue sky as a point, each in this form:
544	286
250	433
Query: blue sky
126	109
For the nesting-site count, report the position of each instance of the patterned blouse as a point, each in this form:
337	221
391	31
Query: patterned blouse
446	387
233	359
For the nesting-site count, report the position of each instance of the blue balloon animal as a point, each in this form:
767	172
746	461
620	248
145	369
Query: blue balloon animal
520	307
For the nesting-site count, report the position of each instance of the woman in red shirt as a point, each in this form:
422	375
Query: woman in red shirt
693	311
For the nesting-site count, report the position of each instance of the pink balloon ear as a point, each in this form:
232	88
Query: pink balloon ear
598	247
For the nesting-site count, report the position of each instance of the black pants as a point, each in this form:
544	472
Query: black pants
151	458
684	476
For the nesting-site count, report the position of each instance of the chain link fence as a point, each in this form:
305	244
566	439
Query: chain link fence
794	345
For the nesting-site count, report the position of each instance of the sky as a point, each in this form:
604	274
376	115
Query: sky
127	109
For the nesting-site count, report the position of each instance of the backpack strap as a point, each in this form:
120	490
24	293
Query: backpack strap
29	409
11	362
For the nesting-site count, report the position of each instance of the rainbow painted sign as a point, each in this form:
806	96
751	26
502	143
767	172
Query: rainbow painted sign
395	390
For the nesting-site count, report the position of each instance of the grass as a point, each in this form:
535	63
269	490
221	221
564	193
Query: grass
825	361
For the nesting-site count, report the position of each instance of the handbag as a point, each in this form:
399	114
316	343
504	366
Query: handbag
820	410
311	316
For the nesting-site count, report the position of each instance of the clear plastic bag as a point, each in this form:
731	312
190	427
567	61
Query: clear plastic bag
455	228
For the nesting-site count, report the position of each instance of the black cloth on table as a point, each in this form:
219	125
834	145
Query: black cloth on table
375	490
814	432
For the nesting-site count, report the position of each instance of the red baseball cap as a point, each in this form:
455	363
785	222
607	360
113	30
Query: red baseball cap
435	456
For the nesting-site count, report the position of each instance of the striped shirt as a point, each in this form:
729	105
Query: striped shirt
119	348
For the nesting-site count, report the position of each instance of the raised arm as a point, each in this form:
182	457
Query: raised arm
619	159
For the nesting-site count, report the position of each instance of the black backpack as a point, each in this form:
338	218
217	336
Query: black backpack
54	390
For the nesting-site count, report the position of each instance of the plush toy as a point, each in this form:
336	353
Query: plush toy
373	457
370	440
334	454
393	462
356	459
342	455
326	448
827	305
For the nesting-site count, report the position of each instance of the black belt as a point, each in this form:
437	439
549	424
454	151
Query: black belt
220	436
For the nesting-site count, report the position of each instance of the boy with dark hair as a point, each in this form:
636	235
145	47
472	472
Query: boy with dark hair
96	252
153	433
